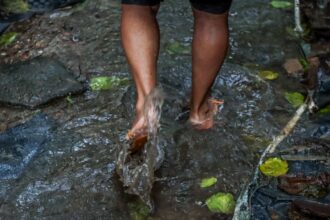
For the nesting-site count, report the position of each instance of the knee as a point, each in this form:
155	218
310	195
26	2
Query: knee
139	10
206	18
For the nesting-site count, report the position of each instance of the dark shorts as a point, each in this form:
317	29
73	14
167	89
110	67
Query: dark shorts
210	6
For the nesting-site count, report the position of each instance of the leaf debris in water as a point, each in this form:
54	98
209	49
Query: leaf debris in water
274	167
268	75
221	203
7	38
325	110
207	182
281	4
138	211
106	82
296	99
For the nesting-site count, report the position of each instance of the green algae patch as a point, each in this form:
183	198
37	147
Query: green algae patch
14	6
294	98
138	211
207	182
274	167
69	99
107	82
281	4
268	75
177	48
221	203
7	38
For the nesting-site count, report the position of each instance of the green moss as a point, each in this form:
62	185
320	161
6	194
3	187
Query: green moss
14	6
304	63
138	211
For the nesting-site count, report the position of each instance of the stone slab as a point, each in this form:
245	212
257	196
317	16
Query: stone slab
36	82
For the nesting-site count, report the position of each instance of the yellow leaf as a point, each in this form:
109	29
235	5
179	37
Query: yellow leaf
274	167
208	182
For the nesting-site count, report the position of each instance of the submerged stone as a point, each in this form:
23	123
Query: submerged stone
20	144
35	82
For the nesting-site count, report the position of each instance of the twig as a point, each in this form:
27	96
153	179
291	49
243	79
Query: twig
243	210
297	18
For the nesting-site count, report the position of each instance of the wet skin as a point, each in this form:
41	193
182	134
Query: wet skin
140	40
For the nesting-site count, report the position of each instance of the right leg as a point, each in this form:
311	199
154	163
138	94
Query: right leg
140	40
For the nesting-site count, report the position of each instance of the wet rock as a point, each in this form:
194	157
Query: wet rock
41	6
293	67
310	210
3	127
136	169
20	144
311	186
36	82
317	13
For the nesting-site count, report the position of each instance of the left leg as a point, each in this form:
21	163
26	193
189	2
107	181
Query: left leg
210	43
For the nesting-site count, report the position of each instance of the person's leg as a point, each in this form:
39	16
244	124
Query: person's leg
210	43
140	40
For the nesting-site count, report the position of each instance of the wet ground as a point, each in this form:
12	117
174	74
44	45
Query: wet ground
72	176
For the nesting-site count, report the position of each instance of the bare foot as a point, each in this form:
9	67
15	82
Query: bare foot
204	119
138	135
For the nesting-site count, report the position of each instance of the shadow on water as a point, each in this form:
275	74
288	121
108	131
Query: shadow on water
73	175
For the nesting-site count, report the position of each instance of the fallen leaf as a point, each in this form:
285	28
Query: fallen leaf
106	82
325	110
207	182
274	167
7	38
221	203
268	75
295	98
177	48
281	4
138	211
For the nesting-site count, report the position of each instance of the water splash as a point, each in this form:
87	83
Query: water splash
137	170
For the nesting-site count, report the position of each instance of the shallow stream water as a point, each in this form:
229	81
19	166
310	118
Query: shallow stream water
72	176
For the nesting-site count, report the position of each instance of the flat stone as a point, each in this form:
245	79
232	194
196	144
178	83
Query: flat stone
20	144
35	82
293	67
